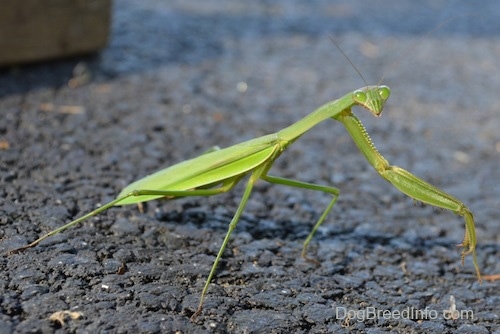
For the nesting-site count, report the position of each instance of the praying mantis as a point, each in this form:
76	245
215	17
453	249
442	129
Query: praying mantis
219	170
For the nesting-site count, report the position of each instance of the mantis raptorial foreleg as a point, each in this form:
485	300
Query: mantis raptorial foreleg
411	185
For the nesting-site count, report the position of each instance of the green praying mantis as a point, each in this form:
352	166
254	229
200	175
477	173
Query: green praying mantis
220	170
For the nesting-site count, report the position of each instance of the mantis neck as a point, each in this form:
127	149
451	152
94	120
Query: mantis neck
328	110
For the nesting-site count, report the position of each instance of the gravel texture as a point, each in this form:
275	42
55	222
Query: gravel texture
181	76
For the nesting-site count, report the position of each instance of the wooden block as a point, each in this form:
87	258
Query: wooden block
35	30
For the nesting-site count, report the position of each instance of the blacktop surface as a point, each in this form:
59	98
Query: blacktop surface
179	77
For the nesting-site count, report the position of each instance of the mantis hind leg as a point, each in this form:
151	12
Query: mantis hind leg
168	194
305	185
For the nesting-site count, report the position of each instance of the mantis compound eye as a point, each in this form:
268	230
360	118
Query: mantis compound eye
384	92
359	96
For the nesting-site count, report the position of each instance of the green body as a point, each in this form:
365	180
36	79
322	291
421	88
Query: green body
220	170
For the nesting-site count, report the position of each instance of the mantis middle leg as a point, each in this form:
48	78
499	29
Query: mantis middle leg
276	180
305	185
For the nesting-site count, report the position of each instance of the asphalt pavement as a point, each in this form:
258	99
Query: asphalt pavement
179	77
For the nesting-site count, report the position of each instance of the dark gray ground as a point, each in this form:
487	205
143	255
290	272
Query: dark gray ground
166	89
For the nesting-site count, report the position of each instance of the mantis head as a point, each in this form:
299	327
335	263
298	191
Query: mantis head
372	98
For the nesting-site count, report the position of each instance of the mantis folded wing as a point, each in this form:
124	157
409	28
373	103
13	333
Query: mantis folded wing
219	170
